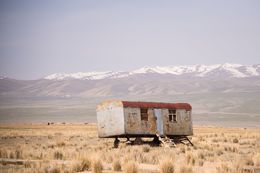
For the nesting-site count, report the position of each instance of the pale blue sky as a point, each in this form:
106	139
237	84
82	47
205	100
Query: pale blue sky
38	38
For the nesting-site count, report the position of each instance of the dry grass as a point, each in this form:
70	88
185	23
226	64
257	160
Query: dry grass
58	155
146	148
83	165
166	166
190	159
96	166
116	165
257	159
73	148
185	169
130	167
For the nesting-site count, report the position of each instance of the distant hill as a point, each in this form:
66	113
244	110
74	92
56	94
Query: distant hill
222	89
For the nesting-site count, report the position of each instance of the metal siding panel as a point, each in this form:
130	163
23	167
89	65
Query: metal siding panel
134	125
159	121
110	121
181	127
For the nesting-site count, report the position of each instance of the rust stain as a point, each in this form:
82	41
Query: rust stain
105	104
157	105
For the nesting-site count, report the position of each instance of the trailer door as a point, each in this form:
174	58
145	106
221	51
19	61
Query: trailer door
159	121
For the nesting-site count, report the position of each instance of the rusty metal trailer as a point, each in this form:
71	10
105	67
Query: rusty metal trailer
126	119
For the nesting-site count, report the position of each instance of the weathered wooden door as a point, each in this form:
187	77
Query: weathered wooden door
159	121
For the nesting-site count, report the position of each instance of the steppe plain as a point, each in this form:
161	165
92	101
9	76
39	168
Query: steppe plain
58	148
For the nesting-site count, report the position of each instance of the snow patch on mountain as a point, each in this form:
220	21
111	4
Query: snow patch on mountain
80	75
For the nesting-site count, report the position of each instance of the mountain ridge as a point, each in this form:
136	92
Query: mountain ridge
218	70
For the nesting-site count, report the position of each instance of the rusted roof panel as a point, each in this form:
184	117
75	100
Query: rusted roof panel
157	105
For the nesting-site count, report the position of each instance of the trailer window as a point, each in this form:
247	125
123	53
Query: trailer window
144	114
172	115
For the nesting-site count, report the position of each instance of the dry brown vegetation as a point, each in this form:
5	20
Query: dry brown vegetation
76	148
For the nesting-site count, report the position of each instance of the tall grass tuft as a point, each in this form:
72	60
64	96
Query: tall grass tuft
116	165
97	166
166	166
131	167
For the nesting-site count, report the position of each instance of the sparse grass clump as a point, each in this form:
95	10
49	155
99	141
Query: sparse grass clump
257	160
83	165
58	155
235	140
201	155
27	164
166	166
223	168
18	153
248	161
201	162
190	158
185	169
3	153
61	144
97	166
131	167
116	165
52	169
146	149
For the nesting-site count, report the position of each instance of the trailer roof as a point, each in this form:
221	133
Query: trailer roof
157	105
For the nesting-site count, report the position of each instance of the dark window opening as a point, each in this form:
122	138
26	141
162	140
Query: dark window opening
172	115
170	118
144	114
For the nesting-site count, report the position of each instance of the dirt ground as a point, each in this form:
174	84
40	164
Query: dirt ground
76	148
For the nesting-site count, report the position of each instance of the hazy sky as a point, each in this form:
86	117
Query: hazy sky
38	38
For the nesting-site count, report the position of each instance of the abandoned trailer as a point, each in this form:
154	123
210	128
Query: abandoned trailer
167	123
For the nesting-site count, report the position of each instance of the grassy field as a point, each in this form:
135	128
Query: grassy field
76	148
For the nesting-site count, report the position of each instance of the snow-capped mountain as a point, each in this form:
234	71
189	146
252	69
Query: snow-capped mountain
209	88
211	71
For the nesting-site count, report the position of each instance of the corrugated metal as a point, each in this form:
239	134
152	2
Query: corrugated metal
185	106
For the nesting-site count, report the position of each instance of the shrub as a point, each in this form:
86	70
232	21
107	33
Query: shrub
97	166
116	165
166	166
131	167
